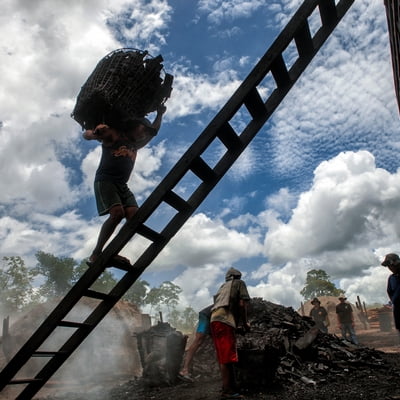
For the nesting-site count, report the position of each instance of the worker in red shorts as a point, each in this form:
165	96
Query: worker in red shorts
228	314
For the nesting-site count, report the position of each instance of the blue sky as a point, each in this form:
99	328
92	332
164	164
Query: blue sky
319	186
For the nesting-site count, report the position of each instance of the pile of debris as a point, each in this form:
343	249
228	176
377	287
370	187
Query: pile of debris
286	346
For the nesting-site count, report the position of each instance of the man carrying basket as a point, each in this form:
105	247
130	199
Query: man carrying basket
120	143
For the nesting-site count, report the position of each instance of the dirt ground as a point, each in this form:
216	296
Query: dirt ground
342	382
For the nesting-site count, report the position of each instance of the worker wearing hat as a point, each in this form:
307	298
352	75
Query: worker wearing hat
345	319
319	315
392	261
228	314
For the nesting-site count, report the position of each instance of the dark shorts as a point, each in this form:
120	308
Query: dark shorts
225	342
109	194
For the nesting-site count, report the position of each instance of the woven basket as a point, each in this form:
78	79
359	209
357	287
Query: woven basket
126	84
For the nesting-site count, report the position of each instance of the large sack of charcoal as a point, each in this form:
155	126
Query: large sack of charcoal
126	84
161	351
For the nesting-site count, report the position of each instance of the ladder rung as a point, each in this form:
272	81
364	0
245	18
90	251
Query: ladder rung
228	137
176	201
280	72
328	11
255	104
41	353
24	380
304	41
96	295
149	233
70	324
202	170
124	266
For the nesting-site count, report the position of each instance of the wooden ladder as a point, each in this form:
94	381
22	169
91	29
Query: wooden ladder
248	99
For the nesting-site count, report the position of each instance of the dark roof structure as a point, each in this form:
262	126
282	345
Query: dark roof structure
393	18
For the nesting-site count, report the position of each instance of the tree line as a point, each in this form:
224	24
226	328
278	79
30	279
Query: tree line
22	287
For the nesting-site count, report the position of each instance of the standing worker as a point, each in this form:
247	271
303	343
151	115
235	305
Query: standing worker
392	261
345	320
228	314
319	315
119	148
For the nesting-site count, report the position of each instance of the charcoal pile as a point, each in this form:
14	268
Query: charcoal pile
285	347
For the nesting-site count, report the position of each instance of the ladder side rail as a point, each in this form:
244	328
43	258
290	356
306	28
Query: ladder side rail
295	25
48	326
227	112
328	11
73	342
209	133
254	126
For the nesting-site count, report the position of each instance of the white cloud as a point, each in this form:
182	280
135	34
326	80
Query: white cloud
198	285
282	285
204	241
345	99
221	10
344	224
349	201
194	93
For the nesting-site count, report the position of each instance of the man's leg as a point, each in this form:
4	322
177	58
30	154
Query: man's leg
115	217
353	335
130	212
228	378
343	330
197	342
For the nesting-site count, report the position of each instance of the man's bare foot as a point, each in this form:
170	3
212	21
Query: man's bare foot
117	259
122	259
91	260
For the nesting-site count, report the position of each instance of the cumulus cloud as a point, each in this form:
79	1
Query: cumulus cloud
196	92
218	11
341	100
346	203
344	224
207	241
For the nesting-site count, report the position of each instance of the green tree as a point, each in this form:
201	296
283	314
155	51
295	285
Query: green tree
136	294
169	293
190	318
318	284
175	319
183	320
166	295
16	290
57	271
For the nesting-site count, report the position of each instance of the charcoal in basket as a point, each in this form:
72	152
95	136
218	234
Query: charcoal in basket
126	84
